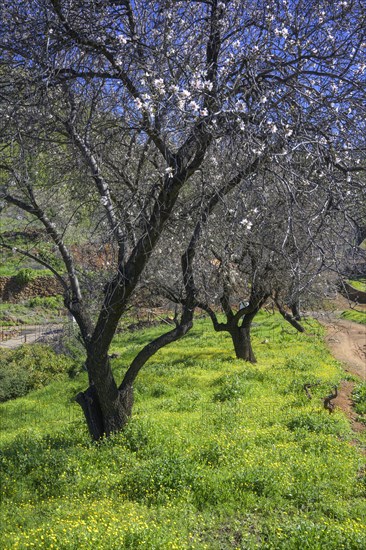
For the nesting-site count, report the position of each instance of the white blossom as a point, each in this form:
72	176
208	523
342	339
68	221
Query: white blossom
197	84
139	103
240	105
284	32
169	171
273	128
193	105
247	224
185	94
159	85
121	39
288	131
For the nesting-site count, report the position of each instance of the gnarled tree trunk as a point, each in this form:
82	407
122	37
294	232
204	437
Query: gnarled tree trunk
242	339
98	424
295	310
106	408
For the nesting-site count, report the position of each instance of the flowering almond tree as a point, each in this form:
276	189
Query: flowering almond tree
109	110
286	239
283	242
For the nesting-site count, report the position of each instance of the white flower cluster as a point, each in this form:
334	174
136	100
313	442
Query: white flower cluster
283	32
185	94
200	84
159	86
169	171
139	103
288	131
247	224
272	127
194	106
122	39
144	103
258	150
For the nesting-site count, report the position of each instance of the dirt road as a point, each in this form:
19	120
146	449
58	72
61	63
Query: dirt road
347	342
27	334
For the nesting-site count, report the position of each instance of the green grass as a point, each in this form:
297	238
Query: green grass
219	454
9	265
359	400
29	367
358	284
11	268
12	262
354	315
33	311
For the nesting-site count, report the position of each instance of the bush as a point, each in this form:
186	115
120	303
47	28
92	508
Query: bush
231	387
14	382
359	398
48	302
317	422
24	276
28	368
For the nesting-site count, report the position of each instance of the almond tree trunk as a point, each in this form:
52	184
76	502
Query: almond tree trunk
106	408
241	338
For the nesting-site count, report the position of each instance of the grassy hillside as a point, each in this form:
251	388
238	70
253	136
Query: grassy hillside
33	311
354	315
218	455
358	284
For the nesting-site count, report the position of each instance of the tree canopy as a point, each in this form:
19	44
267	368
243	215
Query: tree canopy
128	114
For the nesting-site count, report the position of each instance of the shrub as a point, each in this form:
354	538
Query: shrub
359	398
317	422
48	302
28	368
24	276
15	381
231	387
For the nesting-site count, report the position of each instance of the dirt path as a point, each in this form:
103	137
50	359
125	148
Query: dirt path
347	342
27	334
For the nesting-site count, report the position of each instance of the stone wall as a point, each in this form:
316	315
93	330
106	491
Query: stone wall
12	291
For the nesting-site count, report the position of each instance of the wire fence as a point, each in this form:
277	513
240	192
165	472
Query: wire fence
15	336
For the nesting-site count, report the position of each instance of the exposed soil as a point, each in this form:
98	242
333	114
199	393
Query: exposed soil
347	342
